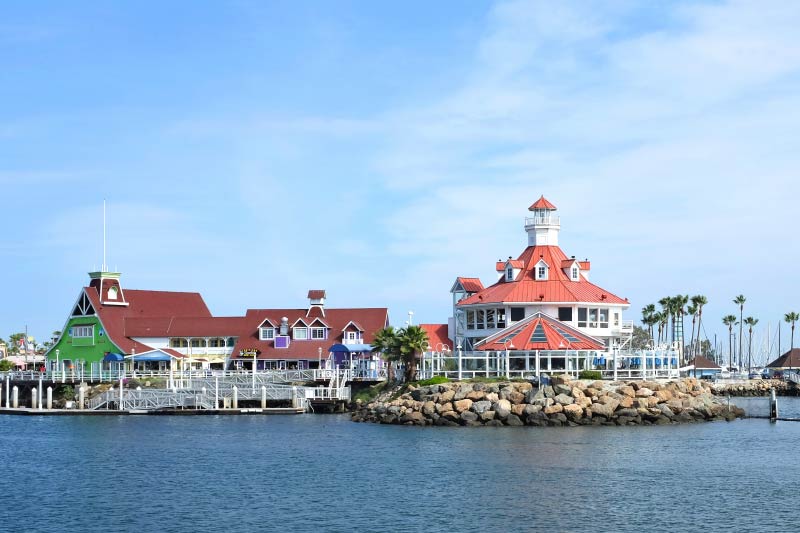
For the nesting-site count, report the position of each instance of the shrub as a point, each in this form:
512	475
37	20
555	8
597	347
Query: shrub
6	365
590	374
435	380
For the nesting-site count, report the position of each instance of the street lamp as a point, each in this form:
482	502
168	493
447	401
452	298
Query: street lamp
508	344
569	343
410	318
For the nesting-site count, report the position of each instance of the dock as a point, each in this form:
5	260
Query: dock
27	411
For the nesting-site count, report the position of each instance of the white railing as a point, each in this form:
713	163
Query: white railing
200	352
552	220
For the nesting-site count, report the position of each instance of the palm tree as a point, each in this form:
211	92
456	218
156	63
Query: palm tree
730	320
751	322
699	301
386	342
692	310
791	318
647	316
413	341
666	312
740	300
678	303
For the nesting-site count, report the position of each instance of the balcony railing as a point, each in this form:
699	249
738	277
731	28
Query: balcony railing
551	220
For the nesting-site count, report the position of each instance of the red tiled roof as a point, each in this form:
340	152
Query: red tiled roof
557	288
471	284
184	326
145	304
567	262
557	336
437	336
371	319
316	294
542	203
584	265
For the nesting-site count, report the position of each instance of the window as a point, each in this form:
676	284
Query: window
490	319
82	332
501	317
178	343
575	273
509	273
319	333
538	334
216	343
470	319
592	317
565	314
300	334
353	335
266	334
603	314
616	319
582	317
112	293
479	317
517	314
541	272
198	343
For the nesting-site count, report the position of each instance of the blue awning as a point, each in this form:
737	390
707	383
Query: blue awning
152	356
350	348
116	357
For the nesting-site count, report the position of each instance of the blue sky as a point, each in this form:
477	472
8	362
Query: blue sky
253	150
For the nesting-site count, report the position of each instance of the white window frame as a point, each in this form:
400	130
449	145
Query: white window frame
82	332
575	274
319	334
509	273
353	336
298	336
266	333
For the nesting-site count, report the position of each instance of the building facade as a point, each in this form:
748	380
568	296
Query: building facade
541	280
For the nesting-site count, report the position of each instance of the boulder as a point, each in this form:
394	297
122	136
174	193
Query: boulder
463	405
476	395
446	396
531	409
533	395
518	409
491	397
555	408
548	391
444	407
469	416
562	389
626	390
513	420
573	412
564	399
413	417
482	406
450	415
428	408
501	408
602	410
626	402
516	397
486	416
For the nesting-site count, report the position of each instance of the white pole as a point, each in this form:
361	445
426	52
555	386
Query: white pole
235	400
81	397
33	398
508	366
49	398
120	393
459	362
216	392
40	391
8	390
15	397
263	397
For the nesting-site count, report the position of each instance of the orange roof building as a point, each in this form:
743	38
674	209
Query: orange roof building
542	279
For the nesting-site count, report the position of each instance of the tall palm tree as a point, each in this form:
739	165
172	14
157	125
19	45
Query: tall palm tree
679	302
413	341
647	317
666	313
740	300
730	320
791	318
692	310
751	322
386	342
699	301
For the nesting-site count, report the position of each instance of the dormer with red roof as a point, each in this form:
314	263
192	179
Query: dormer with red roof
107	286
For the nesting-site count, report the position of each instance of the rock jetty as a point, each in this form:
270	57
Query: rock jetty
755	387
562	403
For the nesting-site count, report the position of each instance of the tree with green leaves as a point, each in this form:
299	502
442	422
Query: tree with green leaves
641	338
730	321
648	318
692	310
413	343
791	318
386	343
699	301
678	307
666	313
740	300
751	322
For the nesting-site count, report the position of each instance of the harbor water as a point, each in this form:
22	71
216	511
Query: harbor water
325	473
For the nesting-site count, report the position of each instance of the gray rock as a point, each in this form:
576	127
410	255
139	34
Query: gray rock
501	408
482	406
469	416
564	399
562	389
549	392
514	420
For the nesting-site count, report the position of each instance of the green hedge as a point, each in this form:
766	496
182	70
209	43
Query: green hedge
436	380
590	374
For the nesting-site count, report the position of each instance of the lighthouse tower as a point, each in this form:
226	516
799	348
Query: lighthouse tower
543	226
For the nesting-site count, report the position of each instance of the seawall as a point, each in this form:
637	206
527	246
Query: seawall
563	403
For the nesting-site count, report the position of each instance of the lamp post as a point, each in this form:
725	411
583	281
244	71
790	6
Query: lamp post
566	355
58	352
459	361
508	344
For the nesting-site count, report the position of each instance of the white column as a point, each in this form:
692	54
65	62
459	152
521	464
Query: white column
264	397
49	398
235	399
15	397
82	397
33	398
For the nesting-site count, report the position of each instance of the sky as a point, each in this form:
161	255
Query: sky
252	151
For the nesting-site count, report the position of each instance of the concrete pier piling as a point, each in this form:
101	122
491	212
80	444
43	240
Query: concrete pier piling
263	397
49	398
235	400
33	398
15	397
81	398
773	406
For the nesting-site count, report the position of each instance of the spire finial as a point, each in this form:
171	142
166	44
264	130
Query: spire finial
104	267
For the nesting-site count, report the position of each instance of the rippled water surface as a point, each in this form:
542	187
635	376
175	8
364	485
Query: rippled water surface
325	473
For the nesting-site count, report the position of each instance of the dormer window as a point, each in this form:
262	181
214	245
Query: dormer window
266	333
509	273
300	333
574	273
541	271
112	293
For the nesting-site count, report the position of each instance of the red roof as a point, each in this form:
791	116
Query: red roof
703	363
148	305
557	288
470	284
184	326
540	332
316	294
437	336
542	203
371	319
790	359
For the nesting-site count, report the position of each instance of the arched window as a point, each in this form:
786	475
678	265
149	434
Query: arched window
112	293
